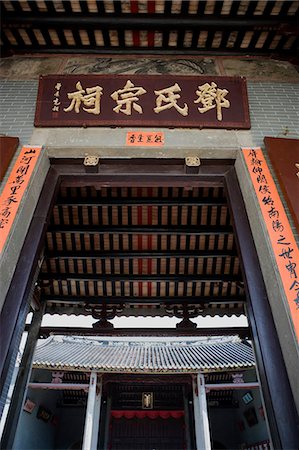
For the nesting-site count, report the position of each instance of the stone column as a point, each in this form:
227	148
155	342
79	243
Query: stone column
23	376
93	409
201	421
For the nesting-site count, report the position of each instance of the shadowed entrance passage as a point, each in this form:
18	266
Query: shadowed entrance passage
146	416
150	432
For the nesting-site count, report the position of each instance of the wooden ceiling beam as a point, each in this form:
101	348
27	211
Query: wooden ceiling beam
141	278
208	201
130	173
104	50
98	300
145	230
159	22
151	254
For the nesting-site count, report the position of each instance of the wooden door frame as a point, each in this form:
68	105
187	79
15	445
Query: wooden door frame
280	407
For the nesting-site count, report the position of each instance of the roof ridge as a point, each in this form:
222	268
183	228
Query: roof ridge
143	341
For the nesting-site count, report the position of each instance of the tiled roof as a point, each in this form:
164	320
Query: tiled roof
146	355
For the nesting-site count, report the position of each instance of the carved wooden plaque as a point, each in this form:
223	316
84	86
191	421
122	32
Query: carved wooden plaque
142	100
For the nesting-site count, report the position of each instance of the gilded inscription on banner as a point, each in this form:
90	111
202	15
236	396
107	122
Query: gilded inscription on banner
282	239
15	188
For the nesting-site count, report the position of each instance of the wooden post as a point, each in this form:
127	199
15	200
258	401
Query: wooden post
277	395
92	418
15	306
107	422
187	420
201	421
20	388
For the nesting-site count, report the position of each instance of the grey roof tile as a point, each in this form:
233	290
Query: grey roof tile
106	355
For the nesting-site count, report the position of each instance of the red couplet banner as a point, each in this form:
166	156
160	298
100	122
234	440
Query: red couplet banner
280	233
15	188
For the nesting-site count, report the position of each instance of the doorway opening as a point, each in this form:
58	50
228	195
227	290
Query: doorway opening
137	239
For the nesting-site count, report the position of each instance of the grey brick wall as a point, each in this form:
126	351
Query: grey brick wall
274	109
17	108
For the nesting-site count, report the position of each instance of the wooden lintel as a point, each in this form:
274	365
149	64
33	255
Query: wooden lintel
60	386
220	386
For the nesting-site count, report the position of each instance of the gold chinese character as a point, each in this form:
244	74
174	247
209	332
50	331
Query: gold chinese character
147	400
55	108
127	97
211	96
58	86
92	98
170	97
